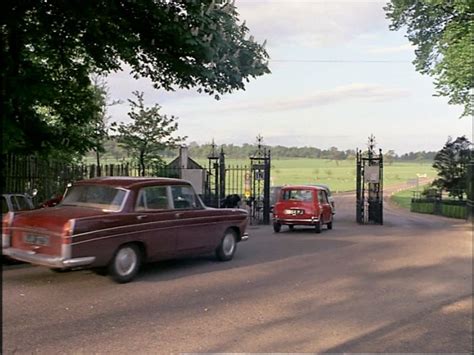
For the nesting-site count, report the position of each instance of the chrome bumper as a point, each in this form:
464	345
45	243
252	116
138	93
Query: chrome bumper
296	220
245	237
47	260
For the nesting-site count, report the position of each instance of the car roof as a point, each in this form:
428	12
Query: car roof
320	186
301	187
129	182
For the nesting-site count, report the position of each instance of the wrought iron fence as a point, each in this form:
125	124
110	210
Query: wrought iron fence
50	177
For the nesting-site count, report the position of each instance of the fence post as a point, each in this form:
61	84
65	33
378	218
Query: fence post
221	177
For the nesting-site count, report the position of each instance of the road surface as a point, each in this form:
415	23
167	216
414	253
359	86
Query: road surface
405	286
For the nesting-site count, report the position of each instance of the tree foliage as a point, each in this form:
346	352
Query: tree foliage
149	133
451	163
49	49
100	126
442	32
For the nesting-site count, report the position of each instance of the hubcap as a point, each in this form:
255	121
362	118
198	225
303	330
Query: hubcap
125	261
228	244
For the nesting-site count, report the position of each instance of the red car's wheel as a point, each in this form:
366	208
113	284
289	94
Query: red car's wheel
276	227
317	227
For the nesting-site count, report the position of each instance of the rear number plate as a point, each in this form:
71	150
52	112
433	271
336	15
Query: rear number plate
294	212
36	239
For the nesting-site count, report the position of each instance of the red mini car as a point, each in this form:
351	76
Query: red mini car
119	223
303	205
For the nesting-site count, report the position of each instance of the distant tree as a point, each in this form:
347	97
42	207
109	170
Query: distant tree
389	157
451	163
149	133
442	32
100	125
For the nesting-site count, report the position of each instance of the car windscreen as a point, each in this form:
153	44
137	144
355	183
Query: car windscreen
297	195
95	196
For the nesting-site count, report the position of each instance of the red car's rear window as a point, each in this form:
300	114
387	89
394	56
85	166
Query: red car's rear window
297	195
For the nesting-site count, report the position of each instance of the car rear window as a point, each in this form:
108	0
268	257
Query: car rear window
297	195
95	196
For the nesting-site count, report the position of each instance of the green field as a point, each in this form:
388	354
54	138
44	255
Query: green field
403	198
339	175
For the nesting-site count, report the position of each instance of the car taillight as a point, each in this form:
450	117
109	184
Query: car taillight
68	231
7	221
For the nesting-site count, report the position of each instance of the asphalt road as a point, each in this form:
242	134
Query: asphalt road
405	286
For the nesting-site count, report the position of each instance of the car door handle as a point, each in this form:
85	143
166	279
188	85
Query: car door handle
179	215
142	217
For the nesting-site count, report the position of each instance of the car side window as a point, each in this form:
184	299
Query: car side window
152	198
322	197
184	197
22	203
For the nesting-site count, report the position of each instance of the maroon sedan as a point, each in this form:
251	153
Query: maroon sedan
119	223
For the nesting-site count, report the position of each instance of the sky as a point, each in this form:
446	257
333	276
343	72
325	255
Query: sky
338	75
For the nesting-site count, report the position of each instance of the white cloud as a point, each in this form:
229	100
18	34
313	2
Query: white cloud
391	50
311	23
356	91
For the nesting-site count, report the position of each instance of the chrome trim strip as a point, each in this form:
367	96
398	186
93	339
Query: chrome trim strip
245	237
139	231
203	219
47	260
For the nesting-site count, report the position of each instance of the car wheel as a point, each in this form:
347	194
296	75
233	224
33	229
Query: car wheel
317	227
291	227
329	225
226	249
125	263
276	227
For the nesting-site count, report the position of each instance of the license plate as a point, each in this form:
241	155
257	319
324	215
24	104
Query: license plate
294	212
36	239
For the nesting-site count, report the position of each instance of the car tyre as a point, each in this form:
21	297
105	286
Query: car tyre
329	225
125	264
276	227
226	249
317	227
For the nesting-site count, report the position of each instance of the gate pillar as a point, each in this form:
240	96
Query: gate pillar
369	185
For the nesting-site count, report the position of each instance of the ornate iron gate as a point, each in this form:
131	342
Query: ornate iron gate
369	188
260	163
213	185
250	184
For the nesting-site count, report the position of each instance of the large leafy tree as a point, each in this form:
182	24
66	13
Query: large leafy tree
442	32
149	133
49	48
451	162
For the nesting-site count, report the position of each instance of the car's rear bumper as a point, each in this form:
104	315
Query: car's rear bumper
47	260
305	221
